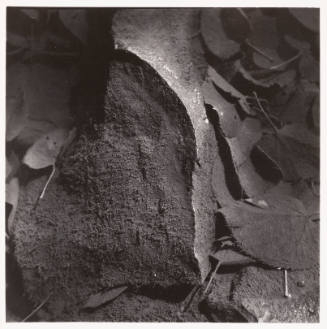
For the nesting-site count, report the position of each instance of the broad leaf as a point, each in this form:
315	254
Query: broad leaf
101	298
228	117
281	236
295	151
235	23
75	20
227	88
308	17
43	153
240	148
214	35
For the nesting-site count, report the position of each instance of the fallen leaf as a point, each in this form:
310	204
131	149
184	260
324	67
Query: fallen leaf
46	99
16	113
308	65
264	40
31	13
240	148
101	298
75	20
12	195
281	79
297	108
227	88
12	165
281	236
235	23
214	36
229	257
295	150
44	151
307	17
17	40
257	202
229	119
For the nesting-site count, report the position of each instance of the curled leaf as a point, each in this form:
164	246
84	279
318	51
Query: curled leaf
228	117
228	89
44	151
101	298
230	257
214	35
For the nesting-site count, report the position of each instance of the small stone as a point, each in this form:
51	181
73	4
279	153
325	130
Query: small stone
300	284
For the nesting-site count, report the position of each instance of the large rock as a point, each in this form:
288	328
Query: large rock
134	198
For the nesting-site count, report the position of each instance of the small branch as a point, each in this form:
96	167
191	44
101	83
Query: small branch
189	298
36	309
211	278
259	51
276	67
264	112
48	181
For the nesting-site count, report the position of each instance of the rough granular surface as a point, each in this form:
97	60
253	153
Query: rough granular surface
119	209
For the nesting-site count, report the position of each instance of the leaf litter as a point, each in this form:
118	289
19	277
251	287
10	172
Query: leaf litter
281	236
214	36
104	297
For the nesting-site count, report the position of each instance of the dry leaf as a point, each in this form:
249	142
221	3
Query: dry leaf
101	298
12	165
240	148
75	20
296	110
229	120
12	195
214	35
31	13
227	88
16	113
230	257
307	17
44	151
281	236
295	150
235	23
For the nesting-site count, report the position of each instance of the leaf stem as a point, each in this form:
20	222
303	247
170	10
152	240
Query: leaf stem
276	67
259	51
36	309
211	277
264	112
48	181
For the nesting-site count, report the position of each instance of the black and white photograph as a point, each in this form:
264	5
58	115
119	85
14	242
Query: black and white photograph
162	164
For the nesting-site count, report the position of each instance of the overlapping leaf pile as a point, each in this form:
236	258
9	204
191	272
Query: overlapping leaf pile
39	124
262	95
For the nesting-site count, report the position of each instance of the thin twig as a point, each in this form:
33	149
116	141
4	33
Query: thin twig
211	277
48	181
276	67
259	51
36	309
189	298
286	292
264	112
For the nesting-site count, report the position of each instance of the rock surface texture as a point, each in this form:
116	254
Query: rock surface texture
132	202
